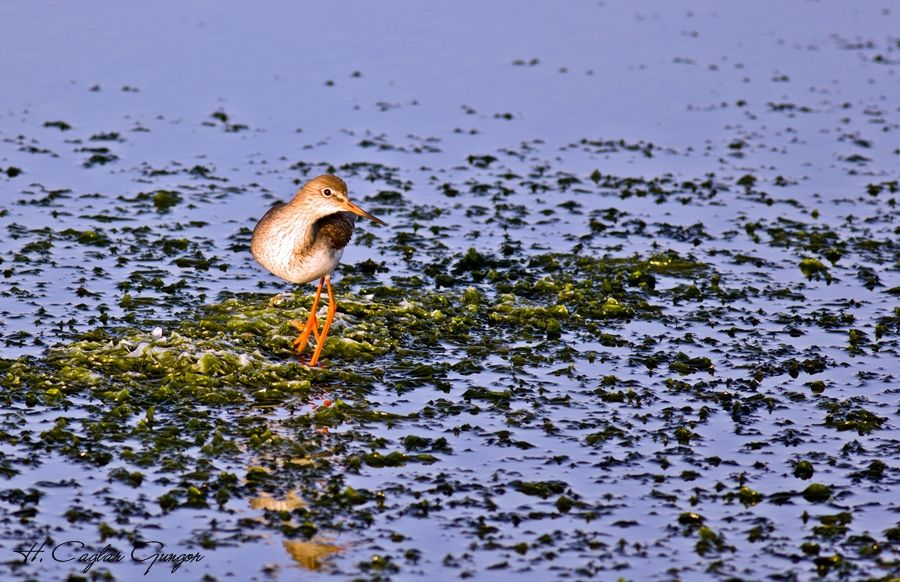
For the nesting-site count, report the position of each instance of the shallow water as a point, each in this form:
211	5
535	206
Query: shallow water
681	164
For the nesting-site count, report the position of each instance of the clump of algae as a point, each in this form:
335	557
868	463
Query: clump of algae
195	399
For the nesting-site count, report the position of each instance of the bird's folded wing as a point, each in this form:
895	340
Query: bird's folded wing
337	228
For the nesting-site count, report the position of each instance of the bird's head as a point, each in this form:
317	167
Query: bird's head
327	194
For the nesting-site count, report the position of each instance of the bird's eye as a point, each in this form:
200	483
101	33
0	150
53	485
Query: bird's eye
326	192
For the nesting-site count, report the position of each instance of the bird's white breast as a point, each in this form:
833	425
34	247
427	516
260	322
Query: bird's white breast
286	248
321	260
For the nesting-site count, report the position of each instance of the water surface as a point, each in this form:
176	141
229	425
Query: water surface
635	314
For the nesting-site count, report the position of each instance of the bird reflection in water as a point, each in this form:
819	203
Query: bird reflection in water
309	554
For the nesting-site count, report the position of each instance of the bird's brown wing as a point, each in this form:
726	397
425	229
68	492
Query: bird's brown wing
337	228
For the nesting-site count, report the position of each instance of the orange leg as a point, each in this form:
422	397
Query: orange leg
332	308
312	324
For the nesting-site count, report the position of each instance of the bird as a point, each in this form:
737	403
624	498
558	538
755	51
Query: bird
302	241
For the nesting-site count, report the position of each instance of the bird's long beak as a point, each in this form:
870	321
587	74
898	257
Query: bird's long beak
359	211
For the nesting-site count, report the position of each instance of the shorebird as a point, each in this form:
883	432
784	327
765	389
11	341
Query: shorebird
302	240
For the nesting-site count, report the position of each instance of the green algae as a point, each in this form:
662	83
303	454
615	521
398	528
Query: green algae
825	564
157	390
691	519
817	386
749	497
684	364
843	415
833	526
60	125
630	355
163	200
817	493
395	459
542	489
814	268
803	470
235	353
873	472
710	542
